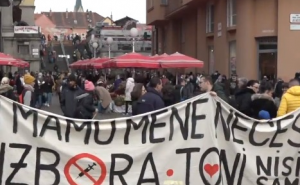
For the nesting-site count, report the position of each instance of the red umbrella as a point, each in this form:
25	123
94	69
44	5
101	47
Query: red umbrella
6	60
178	60
21	63
97	63
156	57
131	60
80	63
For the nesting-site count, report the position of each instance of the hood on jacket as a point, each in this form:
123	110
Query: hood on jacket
294	91
261	96
5	87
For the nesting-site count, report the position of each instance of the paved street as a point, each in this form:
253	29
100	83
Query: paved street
55	108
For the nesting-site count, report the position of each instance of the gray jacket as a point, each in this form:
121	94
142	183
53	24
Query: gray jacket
68	100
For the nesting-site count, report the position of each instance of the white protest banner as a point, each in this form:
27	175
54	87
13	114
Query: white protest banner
202	141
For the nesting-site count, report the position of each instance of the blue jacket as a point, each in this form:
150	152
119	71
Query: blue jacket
150	101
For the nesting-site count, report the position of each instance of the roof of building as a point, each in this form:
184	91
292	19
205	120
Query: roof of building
74	19
36	16
78	6
125	18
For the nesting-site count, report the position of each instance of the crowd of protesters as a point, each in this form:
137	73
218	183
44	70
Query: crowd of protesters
83	95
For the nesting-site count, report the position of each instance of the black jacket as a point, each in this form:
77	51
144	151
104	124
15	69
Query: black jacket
262	102
47	86
243	100
7	91
219	89
150	101
85	106
68	101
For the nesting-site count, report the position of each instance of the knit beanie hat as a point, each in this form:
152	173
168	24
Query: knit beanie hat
89	86
28	79
264	114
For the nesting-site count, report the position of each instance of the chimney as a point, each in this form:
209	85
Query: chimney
111	16
50	12
66	13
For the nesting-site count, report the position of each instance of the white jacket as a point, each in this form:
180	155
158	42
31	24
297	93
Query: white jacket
129	88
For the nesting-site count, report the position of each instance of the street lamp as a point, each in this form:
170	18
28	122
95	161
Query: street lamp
134	33
109	41
95	46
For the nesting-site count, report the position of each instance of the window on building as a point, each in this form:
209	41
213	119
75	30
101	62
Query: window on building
211	59
232	57
210	11
150	4
231	13
23	49
164	2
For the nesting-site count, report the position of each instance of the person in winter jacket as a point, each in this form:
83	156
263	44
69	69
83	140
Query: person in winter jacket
188	90
168	94
47	89
243	97
6	90
19	83
290	101
152	99
85	106
179	91
285	87
128	89
68	102
138	91
29	97
103	96
39	90
207	85
263	101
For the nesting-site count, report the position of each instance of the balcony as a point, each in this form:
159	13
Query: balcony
177	7
173	6
156	12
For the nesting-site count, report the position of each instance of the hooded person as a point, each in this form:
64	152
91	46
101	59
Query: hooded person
68	101
28	94
6	90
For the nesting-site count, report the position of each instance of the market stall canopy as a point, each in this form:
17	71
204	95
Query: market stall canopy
130	60
178	60
157	57
80	63
21	63
98	62
6	60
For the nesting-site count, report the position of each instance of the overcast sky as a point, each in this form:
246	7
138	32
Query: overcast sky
119	8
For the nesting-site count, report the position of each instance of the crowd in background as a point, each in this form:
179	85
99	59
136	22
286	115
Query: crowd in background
84	94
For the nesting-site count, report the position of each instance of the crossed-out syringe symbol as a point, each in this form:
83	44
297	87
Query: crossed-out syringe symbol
89	168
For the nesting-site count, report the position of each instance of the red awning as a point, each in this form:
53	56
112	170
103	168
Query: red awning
80	63
97	63
157	57
6	60
131	60
178	60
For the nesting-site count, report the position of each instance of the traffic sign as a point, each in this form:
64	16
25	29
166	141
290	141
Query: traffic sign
84	170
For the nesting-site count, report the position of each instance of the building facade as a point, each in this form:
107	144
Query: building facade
248	37
21	41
